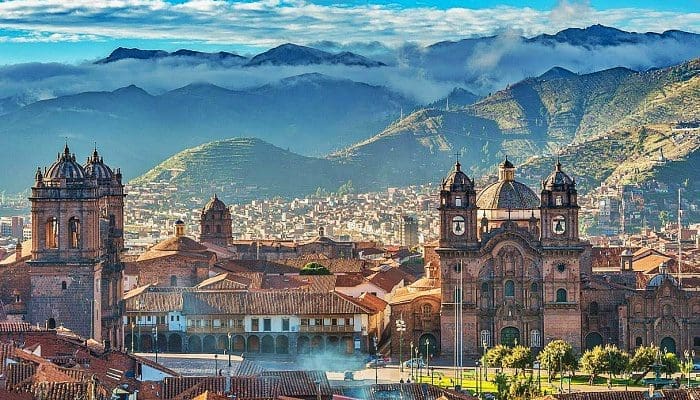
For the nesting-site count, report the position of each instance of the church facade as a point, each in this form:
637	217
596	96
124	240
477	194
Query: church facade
513	270
77	235
510	260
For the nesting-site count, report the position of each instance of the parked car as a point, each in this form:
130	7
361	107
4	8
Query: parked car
349	376
696	367
415	363
377	363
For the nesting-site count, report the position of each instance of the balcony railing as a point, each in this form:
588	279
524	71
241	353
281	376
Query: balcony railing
327	328
215	329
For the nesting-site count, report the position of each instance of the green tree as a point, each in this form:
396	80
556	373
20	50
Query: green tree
520	357
554	353
644	357
346	188
496	355
600	359
523	388
501	381
671	364
314	268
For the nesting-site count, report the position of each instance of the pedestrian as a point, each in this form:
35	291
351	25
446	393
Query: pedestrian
408	380
401	380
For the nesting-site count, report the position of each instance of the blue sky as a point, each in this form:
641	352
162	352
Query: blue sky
80	30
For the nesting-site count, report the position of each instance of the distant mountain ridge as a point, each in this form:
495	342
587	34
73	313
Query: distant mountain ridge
122	53
310	114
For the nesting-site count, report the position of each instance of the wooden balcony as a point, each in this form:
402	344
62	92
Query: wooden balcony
326	328
212	329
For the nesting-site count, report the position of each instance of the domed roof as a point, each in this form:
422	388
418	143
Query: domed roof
557	178
215	205
507	193
658	279
65	167
181	243
457	180
96	168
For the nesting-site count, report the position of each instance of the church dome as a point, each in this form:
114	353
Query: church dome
214	205
507	193
457	180
96	168
65	167
557	179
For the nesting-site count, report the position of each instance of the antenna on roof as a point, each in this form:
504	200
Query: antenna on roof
447	103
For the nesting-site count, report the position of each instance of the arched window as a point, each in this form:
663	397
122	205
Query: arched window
64	285
52	233
173	280
638	341
509	290
533	288
485	338
561	296
74	232
535	338
426	309
593	308
485	288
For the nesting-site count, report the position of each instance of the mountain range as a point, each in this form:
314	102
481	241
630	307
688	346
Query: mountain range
603	125
311	114
286	54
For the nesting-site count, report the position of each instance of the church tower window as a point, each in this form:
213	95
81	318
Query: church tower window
561	296
52	233
74	232
64	286
593	308
458	201
509	290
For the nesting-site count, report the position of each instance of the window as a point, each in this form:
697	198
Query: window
172	318
458	267
561	267
207	323
267	324
254	324
561	296
52	233
533	288
558	201
285	324
458	201
64	285
334	321
593	308
509	290
348	321
535	338
485	338
638	341
217	323
74	232
318	322
458	296
161	319
485	287
427	309
304	322
173	280
696	341
238	323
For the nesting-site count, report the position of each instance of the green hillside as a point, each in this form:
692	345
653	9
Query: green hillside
243	168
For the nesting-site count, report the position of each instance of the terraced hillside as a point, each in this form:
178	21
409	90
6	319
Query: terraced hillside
245	168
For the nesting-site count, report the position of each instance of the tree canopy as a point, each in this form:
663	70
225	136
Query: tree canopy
314	268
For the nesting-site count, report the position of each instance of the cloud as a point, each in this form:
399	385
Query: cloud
271	22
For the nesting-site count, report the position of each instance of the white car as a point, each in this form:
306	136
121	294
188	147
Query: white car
415	363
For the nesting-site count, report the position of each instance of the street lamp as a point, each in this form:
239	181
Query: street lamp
216	364
486	364
154	331
400	328
229	349
133	324
476	378
427	353
138	321
412	360
376	361
689	360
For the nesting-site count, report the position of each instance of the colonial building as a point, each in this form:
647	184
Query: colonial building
513	270
215	223
74	271
510	260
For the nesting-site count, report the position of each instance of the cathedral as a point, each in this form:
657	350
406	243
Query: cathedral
74	269
513	270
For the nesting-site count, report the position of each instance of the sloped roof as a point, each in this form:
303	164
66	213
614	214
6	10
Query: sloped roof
179	245
409	296
269	303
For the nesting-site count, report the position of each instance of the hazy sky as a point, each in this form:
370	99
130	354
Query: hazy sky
78	30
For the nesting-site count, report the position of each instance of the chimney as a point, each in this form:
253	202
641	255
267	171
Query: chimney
18	251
